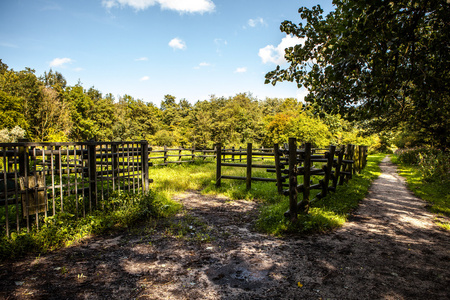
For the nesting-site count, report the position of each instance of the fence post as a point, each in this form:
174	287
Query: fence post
232	155
292	180
328	168
24	165
337	172
144	161
115	166
218	163
249	166
276	153
193	153
351	165
307	176
165	155
92	175
365	157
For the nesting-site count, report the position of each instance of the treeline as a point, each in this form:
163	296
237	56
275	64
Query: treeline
48	110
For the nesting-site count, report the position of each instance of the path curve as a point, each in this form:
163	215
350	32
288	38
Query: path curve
390	249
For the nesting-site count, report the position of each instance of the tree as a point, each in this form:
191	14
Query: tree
383	61
81	105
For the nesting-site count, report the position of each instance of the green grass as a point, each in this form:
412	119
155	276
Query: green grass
437	194
325	214
63	229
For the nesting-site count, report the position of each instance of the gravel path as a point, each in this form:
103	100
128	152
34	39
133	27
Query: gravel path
390	249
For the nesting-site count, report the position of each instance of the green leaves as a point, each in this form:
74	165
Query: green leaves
372	59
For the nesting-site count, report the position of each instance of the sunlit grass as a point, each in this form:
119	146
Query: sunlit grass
325	214
435	193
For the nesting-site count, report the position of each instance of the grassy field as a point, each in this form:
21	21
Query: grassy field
325	214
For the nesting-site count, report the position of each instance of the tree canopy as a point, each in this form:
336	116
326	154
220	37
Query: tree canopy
48	109
386	62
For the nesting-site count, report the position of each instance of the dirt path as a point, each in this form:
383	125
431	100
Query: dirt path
390	249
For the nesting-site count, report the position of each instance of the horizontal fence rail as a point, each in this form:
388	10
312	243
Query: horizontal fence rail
162	156
42	179
248	155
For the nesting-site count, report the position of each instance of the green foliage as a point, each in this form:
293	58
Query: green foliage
50	110
433	164
381	61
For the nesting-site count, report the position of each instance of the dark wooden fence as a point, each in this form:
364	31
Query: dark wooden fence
330	167
237	155
46	178
334	165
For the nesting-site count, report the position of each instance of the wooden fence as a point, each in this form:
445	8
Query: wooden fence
335	166
164	155
236	155
46	178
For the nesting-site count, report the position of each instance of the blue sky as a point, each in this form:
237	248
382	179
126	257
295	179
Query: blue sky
149	48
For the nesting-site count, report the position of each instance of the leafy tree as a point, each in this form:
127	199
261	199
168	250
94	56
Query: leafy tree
383	61
52	79
11	111
21	89
53	122
81	107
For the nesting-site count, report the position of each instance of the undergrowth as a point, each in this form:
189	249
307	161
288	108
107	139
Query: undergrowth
63	229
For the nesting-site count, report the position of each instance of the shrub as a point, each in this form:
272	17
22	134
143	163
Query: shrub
433	164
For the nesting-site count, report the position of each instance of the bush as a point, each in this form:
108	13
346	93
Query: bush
433	164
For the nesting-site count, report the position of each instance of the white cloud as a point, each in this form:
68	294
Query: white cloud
302	93
272	54
202	65
59	62
141	59
177	43
182	6
220	43
241	70
144	78
78	69
256	22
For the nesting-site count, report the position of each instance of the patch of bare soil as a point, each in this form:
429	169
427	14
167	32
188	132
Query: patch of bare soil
390	249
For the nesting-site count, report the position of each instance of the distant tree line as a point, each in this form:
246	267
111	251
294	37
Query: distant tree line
48	109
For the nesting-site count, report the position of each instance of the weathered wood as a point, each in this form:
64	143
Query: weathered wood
248	182
292	180
276	152
144	160
327	169
218	164
307	177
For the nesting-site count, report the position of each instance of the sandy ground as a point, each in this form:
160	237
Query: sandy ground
389	249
